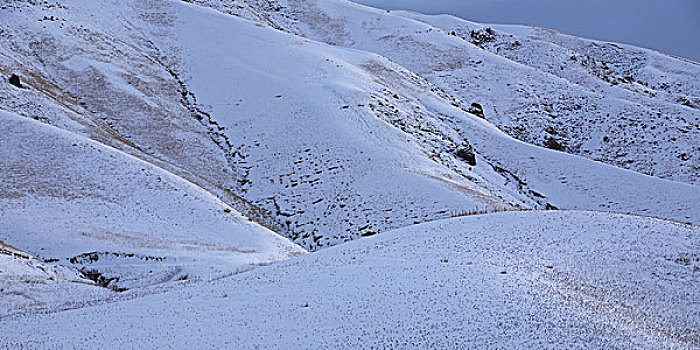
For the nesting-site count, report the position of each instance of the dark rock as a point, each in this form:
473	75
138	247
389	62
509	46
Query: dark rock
537	194
550	130
480	37
467	154
551	143
101	280
477	110
685	102
14	80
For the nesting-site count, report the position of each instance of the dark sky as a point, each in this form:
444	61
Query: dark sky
670	26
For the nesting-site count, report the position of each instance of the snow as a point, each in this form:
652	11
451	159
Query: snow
646	103
324	143
509	280
163	153
318	74
29	284
296	145
138	222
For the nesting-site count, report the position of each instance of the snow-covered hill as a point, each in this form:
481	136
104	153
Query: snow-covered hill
117	220
163	148
320	143
507	280
272	127
618	104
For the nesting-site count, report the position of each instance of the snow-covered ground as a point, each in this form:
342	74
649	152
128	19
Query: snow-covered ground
162	149
618	104
122	222
323	143
28	284
507	280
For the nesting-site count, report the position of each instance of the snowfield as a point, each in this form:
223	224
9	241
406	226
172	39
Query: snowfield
158	155
618	104
508	280
101	210
320	143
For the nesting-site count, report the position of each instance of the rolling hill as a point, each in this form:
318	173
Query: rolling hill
156	155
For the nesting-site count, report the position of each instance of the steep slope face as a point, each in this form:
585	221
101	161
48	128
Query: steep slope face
306	117
624	106
91	68
506	280
325	101
642	110
152	79
322	144
537	177
122	222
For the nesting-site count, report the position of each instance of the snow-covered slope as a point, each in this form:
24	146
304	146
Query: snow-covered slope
122	222
257	114
28	284
506	280
324	143
320	143
621	105
162	149
532	176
